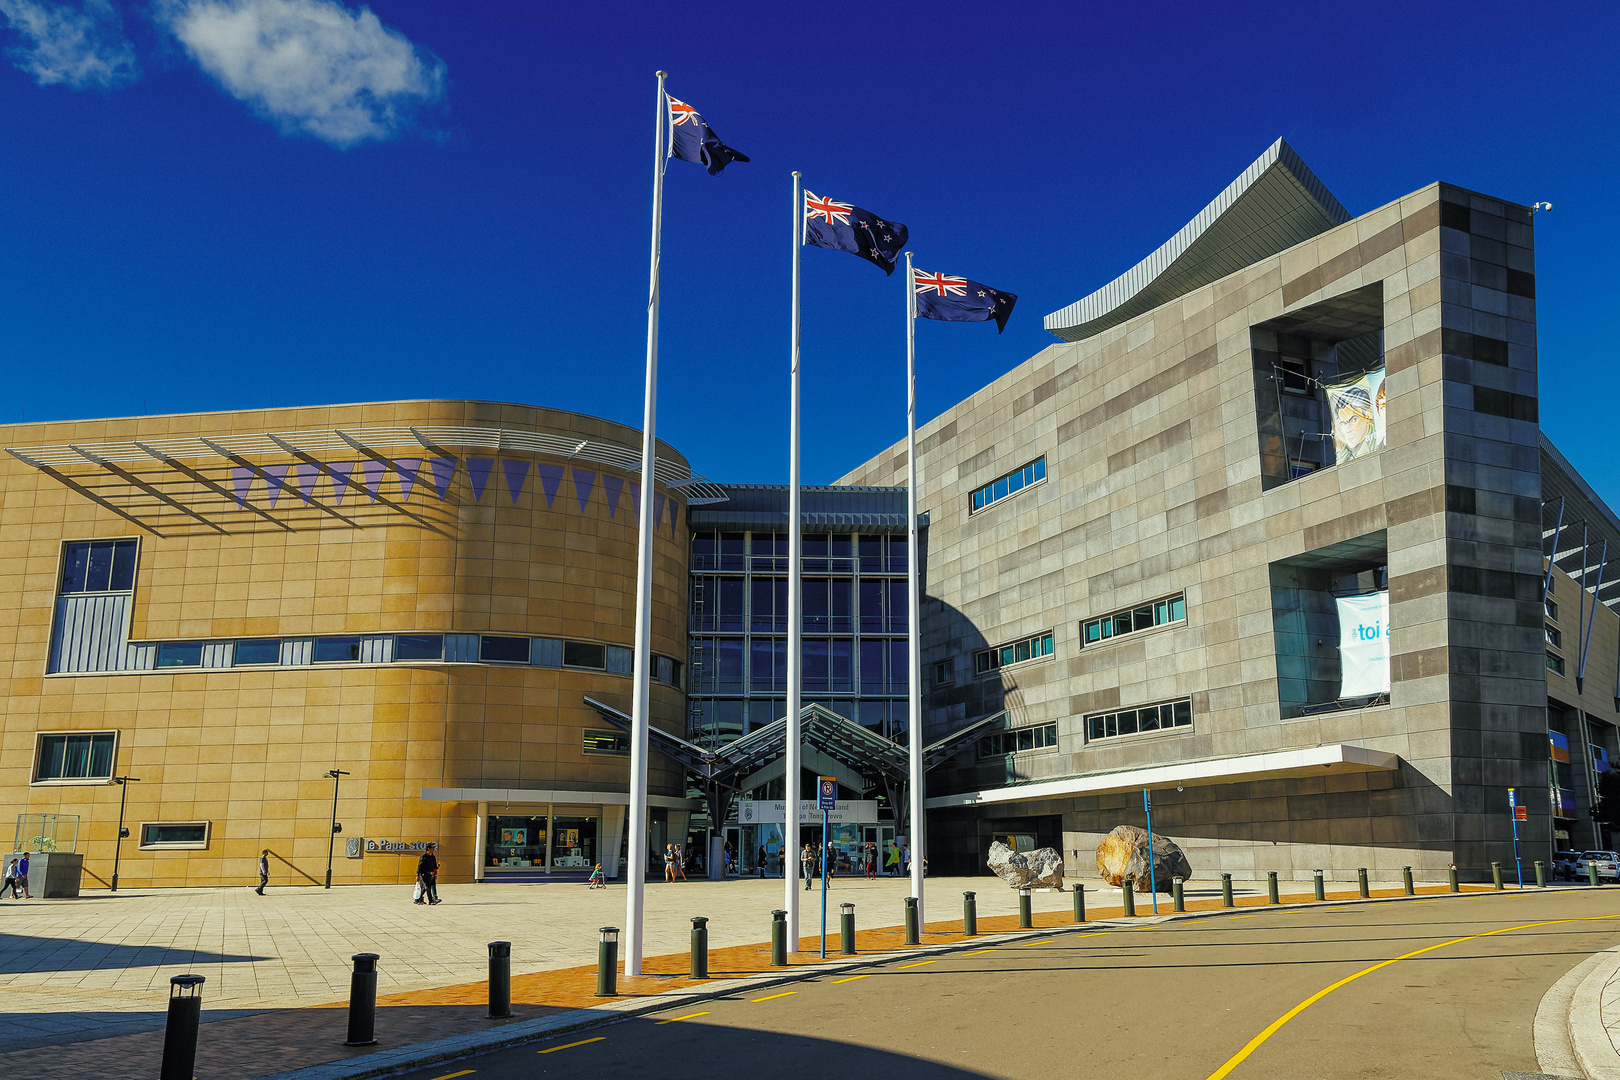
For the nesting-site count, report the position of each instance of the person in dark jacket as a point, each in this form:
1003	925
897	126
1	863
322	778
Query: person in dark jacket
427	872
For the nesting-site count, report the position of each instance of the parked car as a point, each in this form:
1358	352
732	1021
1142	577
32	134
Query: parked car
1564	865
1607	863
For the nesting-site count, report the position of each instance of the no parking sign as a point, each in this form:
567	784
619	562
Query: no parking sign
826	793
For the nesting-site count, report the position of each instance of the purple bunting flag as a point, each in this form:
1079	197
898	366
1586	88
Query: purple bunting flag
584	481
241	482
371	470
635	497
275	481
408	468
550	479
674	516
478	470
304	474
658	510
516	473
342	473
611	486
443	469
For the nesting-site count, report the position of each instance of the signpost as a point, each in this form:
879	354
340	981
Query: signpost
826	799
1520	813
1153	883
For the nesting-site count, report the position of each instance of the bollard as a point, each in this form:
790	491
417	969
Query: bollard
846	929
500	980
970	915
363	1001
1406	881
911	921
1453	872
700	947
1541	874
1361	879
1026	919
1129	895
1271	886
778	938
1181	904
1496	874
180	1034
1321	892
607	963
1079	902
1591	874
1226	890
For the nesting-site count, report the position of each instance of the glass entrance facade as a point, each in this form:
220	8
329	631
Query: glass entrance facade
515	841
573	844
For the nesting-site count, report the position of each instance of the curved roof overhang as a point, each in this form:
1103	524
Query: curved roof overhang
1276	203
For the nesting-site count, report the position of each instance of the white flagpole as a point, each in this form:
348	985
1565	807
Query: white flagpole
913	597
790	762
641	696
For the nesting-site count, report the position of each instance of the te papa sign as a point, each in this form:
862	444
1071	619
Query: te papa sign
357	847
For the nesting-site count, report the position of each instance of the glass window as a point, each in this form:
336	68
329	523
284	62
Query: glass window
871	554
1552	609
179	654
767	670
86	756
336	650
731	551
945	673
1011	484
769	614
419	647
840	606
262	651
1159	613
1147	718
840	667
899	670
1017	652
605	742
1183	712
583	654
1554	638
705	551
515	841
1555	663
99	566
1094	727
189	834
768	551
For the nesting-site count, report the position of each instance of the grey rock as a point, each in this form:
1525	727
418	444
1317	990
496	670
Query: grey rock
1041	868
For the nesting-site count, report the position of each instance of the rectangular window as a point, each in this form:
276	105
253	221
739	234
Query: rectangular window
717	603
1171	609
337	650
1554	638
945	673
605	742
1296	374
768	612
1143	720
1298	467
583	654
767	668
99	566
263	651
667	670
1008	485
86	756
419	647
175	835
179	654
1002	743
717	665
1018	652
1552	609
768	551
1555	663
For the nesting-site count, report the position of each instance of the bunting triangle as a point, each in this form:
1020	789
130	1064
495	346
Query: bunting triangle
275	481
611	486
241	482
635	498
584	481
658	510
342	478
371	470
304	474
674	516
408	468
516	473
443	469
550	478
478	470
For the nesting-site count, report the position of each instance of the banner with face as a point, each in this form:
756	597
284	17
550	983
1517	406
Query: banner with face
1357	410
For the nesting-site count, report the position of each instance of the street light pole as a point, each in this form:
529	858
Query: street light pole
331	839
123	783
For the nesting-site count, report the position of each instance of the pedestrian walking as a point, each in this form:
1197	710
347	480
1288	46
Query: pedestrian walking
807	860
427	874
264	871
10	882
892	863
871	861
829	861
680	862
669	863
905	861
759	860
22	876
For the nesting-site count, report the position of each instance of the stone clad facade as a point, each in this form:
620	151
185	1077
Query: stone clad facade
1170	469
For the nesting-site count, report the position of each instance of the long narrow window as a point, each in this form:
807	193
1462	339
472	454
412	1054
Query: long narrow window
76	757
1017	652
1143	720
1171	609
1006	486
1010	742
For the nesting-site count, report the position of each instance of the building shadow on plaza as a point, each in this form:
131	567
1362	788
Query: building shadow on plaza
24	952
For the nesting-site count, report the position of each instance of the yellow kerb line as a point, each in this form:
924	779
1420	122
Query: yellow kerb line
570	1046
1027	944
852	978
1276	1025
452	1076
773	997
688	1016
919	963
980	952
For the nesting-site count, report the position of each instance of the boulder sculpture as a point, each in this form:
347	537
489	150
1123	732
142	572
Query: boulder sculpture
1041	868
1123	854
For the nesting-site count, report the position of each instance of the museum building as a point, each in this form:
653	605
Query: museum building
1272	532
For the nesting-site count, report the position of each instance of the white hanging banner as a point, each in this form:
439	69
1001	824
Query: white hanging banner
1363	645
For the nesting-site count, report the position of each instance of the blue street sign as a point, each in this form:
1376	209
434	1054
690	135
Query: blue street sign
826	793
1513	797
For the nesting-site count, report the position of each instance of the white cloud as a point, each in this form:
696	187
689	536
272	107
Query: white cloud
313	67
81	46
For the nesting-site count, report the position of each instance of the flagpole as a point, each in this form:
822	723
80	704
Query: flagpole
641	683
790	761
913	597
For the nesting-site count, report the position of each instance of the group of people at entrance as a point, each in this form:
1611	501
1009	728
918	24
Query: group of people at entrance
813	863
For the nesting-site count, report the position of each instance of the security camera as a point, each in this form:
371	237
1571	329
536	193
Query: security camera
337	827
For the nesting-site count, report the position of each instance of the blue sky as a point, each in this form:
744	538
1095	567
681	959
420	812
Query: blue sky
201	208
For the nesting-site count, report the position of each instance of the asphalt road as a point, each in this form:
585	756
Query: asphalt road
1192	1000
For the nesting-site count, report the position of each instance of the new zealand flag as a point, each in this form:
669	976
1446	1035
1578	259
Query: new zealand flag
840	226
690	139
956	299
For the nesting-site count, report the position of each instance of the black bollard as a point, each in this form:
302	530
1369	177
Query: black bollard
911	921
1129	896
1175	889
180	1034
1406	880
970	915
1496	874
1321	891
1026	920
607	963
1361	877
500	980
1453	872
1541	874
363	1001
778	938
846	929
700	947
1271	886
1079	902
1226	890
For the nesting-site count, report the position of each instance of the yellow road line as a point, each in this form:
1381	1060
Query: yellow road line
773	997
688	1016
1276	1025
919	963
980	952
452	1076
1027	944
570	1046
852	978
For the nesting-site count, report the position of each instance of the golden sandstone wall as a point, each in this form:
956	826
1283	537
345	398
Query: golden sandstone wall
247	749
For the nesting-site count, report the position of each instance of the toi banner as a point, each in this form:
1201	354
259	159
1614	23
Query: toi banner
1357	411
1364	645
